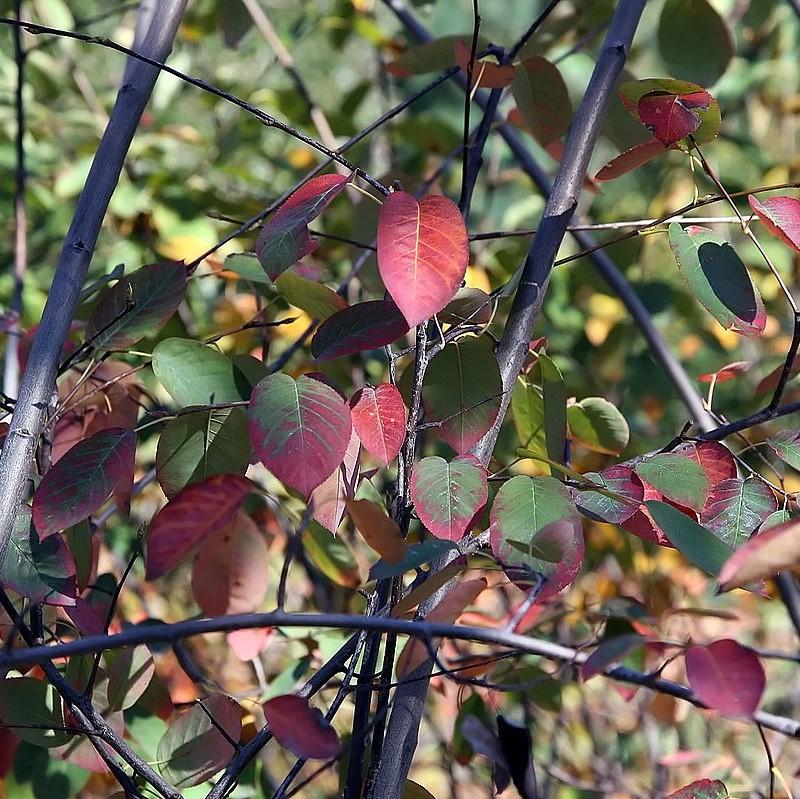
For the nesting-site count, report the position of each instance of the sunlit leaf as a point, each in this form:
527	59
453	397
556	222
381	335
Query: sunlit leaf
728	372
677	477
195	513
762	556
598	425
83	479
621	480
328	500
365	326
331	555
638	155
781	215
300	728
713	457
316	299
447	496
379	418
423	253
736	507
300	429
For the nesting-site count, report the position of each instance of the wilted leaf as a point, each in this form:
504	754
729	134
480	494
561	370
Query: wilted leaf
300	429
193	748
598	425
423	253
716	276
781	215
194	514
447	496
542	99
365	326
726	676
83	479
378	530
300	728
379	417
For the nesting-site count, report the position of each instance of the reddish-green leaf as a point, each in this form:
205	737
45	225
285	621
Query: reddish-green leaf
378	530
196	446
713	457
193	747
631	159
462	391
770	381
129	673
366	326
728	372
331	555
328	500
542	99
42	570
486	73
726	676
621	480
781	215
379	418
284	238
83	479
701	789
433	56
423	253
300	429
522	507
677	477
300	728
447	496
736	507
137	306
786	444
672	117
230	569
195	513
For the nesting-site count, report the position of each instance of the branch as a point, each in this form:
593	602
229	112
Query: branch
29	414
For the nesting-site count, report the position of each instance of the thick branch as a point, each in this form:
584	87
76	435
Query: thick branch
37	386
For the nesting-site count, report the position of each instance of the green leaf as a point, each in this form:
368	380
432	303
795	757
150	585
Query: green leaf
527	411
316	299
248	268
698	545
332	556
694	40
719	280
416	555
195	374
554	394
598	425
786	444
38	775
195	446
736	508
542	99
677	477
433	56
26	701
137	306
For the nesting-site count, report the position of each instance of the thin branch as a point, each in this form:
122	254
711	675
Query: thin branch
515	49
466	191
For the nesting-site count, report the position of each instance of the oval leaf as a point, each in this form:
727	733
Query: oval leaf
702	789
762	556
542	99
83	479
677	477
447	496
631	159
284	238
300	429
378	530
332	556
379	418
196	512
193	747
735	508
598	425
715	275
726	676
781	215
316	299
423	253
137	306
786	445
715	459
486	73
300	728
621	480
365	326
25	701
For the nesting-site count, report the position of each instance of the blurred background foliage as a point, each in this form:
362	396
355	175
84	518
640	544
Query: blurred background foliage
198	158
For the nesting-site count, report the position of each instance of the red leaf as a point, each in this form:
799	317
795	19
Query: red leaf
194	514
329	499
379	418
230	569
8	747
365	326
714	458
83	479
728	372
781	215
284	238
631	159
770	382
621	480
423	252
87	618
300	429
726	676
671	117
701	789
300	728
248	644
488	74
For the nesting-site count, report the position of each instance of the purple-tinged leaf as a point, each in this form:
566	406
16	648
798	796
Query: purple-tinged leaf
300	429
366	326
610	651
300	728
26	701
621	480
677	477
714	457
781	215
379	418
447	496
129	673
786	444
736	507
701	789
83	479
672	117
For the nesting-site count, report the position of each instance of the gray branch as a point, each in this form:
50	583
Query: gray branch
37	384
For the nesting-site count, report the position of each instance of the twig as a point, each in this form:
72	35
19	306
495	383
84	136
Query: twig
515	49
466	166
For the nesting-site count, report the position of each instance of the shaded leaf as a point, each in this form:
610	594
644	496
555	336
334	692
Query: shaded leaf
193	748
316	299
726	676
328	500
379	418
473	306
194	514
554	396
610	651
300	728
300	429
416	555
728	372
378	530
137	306
331	556
83	479
552	543
638	155
284	239
786	444
598	425
621	480
462	391
434	56
701	789
486	73
25	701
735	508
447	496
423	253
677	477
542	99
129	673
781	215
527	410
715	275
365	326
